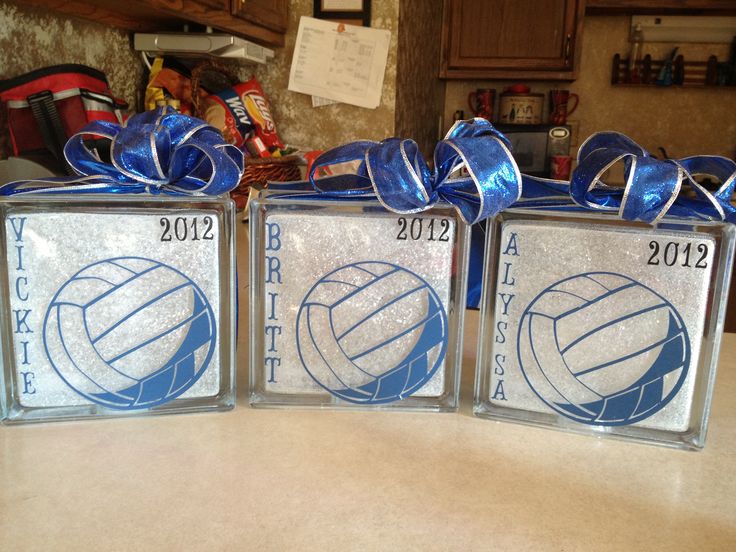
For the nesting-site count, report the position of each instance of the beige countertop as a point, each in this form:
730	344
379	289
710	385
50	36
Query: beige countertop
325	480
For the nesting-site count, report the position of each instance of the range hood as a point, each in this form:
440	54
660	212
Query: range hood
198	44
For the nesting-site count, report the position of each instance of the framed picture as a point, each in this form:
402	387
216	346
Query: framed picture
350	12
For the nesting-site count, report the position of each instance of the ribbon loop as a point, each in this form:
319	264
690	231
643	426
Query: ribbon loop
162	151
397	175
653	187
400	176
155	151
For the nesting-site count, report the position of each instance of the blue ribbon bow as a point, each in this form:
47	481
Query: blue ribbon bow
654	187
158	151
394	172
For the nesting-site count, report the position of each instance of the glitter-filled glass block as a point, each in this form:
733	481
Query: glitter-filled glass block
596	325
116	305
353	306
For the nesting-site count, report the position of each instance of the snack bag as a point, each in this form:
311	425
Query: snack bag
242	112
170	80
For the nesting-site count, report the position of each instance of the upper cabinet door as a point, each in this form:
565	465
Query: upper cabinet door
507	39
661	7
262	21
217	4
271	14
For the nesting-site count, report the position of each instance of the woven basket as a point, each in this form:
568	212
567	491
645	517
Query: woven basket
257	170
262	171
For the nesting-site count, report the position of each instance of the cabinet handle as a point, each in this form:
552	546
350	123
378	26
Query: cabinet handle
568	41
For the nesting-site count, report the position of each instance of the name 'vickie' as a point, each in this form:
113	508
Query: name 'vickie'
20	315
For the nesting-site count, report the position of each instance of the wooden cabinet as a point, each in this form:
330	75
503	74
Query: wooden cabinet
261	21
661	7
221	5
509	39
267	13
227	15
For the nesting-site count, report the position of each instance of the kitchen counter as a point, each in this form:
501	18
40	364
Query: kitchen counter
301	479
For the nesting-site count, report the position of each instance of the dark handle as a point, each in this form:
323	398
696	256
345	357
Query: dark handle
615	69
568	41
646	69
678	76
43	108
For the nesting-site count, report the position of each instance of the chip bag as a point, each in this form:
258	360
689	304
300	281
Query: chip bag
242	112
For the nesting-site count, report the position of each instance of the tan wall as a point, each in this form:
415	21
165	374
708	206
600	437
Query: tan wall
31	38
310	127
685	121
420	95
36	39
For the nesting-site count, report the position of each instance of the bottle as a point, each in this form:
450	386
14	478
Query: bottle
637	43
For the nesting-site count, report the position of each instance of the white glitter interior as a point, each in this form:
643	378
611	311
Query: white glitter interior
58	245
314	244
552	251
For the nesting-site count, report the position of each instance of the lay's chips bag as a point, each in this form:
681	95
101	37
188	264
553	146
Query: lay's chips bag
243	112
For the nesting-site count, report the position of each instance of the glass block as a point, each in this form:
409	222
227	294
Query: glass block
601	326
116	305
353	306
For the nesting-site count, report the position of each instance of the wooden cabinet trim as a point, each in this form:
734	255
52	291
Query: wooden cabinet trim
559	67
271	14
219	19
662	7
164	15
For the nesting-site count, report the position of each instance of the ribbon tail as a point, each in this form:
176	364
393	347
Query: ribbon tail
95	184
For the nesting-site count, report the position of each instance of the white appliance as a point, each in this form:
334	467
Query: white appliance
212	44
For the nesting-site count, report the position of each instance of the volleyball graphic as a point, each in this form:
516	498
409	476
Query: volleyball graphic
371	332
603	349
129	333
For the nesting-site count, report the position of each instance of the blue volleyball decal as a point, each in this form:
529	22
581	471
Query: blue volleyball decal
603	349
129	333
371	332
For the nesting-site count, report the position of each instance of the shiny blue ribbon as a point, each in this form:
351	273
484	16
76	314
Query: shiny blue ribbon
395	173
653	187
158	151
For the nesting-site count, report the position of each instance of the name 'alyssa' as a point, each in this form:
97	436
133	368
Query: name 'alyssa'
504	291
